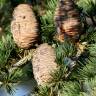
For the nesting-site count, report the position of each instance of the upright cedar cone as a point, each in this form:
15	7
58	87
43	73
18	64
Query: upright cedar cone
67	21
43	63
24	26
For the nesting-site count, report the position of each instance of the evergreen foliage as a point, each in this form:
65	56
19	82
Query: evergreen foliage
47	22
76	76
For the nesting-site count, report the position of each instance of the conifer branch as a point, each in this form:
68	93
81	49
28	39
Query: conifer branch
23	61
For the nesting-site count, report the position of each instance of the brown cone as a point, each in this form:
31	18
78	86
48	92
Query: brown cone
24	26
43	63
67	21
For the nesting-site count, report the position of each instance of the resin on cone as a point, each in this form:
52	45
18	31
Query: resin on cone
24	26
43	63
67	21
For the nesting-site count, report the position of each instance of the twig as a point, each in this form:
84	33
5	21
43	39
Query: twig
73	64
22	61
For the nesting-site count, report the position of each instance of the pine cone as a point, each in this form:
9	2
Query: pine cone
43	63
24	26
67	21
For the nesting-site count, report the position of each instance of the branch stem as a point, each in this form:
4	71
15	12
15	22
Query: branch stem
22	61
